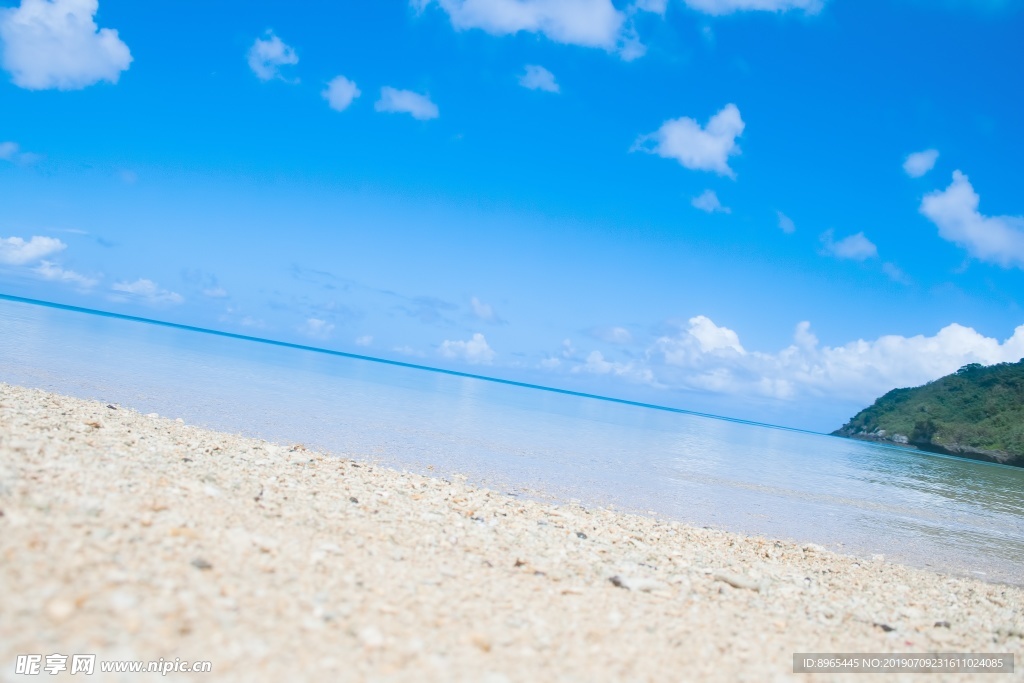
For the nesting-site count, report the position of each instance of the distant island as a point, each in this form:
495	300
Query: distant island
977	412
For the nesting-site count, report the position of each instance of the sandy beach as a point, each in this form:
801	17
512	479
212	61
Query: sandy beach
138	537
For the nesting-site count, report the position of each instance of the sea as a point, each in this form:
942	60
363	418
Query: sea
931	511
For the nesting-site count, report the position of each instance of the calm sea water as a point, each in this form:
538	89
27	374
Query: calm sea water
926	510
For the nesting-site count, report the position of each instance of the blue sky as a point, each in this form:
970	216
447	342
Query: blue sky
769	209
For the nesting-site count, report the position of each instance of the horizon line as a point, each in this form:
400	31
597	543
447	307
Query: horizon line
388	361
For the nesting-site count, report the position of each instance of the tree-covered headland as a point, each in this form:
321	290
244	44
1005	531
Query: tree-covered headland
977	412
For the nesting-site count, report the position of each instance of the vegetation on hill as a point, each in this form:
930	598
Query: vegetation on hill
977	412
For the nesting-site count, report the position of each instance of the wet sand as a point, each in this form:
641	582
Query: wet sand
140	537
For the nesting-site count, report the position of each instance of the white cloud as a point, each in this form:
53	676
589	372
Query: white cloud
409	351
406	102
148	291
895	273
317	328
268	55
614	335
51	271
655	6
596	364
719	7
11	151
215	292
620	335
705	356
803	337
997	239
57	44
15	251
589	23
483	311
855	247
919	163
786	223
340	92
708	202
475	351
630	47
703	336
364	340
538	78
696	148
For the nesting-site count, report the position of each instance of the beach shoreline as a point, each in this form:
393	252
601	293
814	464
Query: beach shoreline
140	537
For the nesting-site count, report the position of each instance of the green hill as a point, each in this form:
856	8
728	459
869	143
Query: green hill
977	412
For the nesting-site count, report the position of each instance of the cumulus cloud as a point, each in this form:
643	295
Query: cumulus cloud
697	148
703	336
11	151
340	92
483	311
996	239
215	292
16	251
475	351
786	223
855	247
406	102
703	355
317	328
630	47
365	340
700	355
56	44
613	335
919	163
718	7
148	291
597	365
707	201
48	270
538	78
655	6
267	56
589	23
895	273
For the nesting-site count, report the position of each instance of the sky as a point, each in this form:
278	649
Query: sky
774	210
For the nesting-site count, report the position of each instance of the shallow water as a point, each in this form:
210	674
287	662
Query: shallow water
926	510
